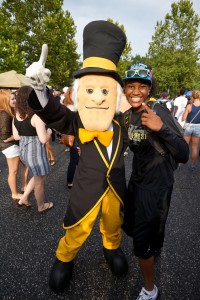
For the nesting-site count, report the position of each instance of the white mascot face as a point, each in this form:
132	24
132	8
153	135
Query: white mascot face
96	101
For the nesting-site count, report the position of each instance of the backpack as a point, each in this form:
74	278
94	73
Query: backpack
178	126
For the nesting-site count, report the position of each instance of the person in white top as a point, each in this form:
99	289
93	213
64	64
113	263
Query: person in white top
179	106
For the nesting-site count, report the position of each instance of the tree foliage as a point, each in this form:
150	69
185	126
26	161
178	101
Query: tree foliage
10	56
26	25
173	52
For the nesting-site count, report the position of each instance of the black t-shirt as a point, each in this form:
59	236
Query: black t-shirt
149	169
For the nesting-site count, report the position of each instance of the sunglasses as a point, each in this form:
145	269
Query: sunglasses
141	73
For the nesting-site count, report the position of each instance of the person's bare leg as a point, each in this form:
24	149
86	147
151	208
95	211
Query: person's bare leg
147	268
40	193
50	154
194	150
29	188
13	166
24	177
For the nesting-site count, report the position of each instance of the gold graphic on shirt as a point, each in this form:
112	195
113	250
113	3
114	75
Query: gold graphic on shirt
136	134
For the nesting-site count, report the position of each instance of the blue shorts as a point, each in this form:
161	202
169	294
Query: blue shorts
192	129
149	210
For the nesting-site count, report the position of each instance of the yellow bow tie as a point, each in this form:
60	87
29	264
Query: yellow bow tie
104	137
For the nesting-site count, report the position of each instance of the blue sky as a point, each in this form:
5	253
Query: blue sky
139	17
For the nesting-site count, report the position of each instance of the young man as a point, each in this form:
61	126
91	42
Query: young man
180	104
165	100
151	182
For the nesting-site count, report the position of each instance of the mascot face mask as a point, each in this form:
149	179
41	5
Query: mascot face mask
97	91
97	98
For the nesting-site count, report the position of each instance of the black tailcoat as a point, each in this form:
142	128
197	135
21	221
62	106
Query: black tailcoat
95	173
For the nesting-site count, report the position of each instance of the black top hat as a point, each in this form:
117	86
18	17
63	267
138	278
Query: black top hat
103	43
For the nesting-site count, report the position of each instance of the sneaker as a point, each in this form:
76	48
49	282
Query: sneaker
144	295
69	185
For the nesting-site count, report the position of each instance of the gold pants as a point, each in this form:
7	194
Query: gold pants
110	228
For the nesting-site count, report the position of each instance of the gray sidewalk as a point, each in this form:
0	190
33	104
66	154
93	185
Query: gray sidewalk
29	241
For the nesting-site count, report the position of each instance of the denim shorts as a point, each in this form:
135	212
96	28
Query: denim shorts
192	129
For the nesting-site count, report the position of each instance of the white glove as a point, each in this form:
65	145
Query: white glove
38	75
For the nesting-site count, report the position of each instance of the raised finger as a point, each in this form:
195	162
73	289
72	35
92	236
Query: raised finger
146	108
43	56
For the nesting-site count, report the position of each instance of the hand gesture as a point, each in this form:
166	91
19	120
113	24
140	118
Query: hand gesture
37	73
150	119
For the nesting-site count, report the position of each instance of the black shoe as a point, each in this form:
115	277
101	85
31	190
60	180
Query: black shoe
117	261
60	275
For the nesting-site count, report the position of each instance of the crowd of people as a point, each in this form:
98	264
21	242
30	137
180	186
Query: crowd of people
25	139
102	129
26	143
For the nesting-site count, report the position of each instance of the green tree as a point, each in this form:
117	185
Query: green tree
33	23
173	52
139	58
10	56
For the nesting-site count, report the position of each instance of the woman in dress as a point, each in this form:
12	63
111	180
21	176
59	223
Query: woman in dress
32	134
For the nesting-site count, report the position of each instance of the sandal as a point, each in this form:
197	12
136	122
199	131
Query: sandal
52	162
49	206
28	204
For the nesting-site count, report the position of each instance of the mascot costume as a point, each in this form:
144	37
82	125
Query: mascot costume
99	183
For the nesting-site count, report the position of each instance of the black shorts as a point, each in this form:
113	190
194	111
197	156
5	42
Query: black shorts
146	218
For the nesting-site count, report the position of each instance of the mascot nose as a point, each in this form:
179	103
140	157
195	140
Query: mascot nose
98	97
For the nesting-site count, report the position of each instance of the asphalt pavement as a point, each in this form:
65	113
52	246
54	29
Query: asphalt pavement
28	242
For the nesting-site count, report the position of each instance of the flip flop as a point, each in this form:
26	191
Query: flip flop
52	162
50	205
24	204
